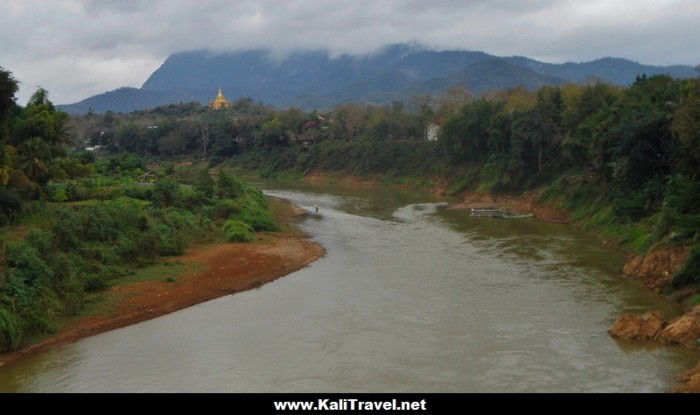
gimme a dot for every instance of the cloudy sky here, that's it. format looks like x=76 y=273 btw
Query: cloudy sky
x=78 y=48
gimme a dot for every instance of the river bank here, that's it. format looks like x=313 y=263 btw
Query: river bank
x=211 y=271
x=654 y=269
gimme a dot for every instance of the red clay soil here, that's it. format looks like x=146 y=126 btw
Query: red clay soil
x=638 y=327
x=656 y=268
x=651 y=326
x=690 y=381
x=227 y=268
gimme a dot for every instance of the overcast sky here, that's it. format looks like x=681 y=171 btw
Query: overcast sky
x=78 y=48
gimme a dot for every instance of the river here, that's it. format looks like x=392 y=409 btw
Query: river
x=409 y=298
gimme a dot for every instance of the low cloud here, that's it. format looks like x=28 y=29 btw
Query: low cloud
x=78 y=48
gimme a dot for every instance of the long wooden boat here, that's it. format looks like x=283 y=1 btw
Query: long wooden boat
x=497 y=213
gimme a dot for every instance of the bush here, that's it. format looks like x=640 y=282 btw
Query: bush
x=683 y=199
x=63 y=168
x=10 y=335
x=237 y=231
x=66 y=266
x=631 y=207
x=126 y=163
x=166 y=192
x=192 y=199
x=203 y=181
x=138 y=191
x=94 y=283
x=225 y=208
x=147 y=247
x=59 y=192
x=82 y=192
x=10 y=205
x=101 y=253
x=24 y=260
x=66 y=229
x=171 y=241
x=42 y=241
x=251 y=208
x=141 y=248
x=260 y=220
x=256 y=213
x=84 y=156
x=229 y=186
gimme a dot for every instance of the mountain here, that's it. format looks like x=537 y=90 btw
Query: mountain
x=492 y=74
x=130 y=99
x=614 y=70
x=315 y=79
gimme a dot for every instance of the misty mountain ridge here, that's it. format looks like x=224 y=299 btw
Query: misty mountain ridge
x=315 y=79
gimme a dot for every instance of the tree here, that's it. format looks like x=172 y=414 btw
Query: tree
x=174 y=143
x=686 y=126
x=469 y=134
x=272 y=134
x=453 y=99
x=641 y=132
x=591 y=99
x=41 y=119
x=8 y=89
x=348 y=121
x=518 y=98
x=523 y=149
x=35 y=155
x=548 y=115
x=129 y=137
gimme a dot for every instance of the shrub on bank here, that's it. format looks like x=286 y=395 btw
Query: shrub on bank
x=10 y=205
x=230 y=187
x=237 y=231
x=226 y=208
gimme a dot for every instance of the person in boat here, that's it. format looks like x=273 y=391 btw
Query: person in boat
x=316 y=209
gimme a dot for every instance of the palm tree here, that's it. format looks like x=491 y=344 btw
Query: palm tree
x=34 y=155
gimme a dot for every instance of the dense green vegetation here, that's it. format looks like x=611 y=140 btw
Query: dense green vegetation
x=624 y=161
x=71 y=223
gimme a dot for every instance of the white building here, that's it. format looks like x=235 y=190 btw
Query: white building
x=431 y=132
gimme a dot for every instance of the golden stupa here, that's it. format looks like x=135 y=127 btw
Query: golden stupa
x=219 y=102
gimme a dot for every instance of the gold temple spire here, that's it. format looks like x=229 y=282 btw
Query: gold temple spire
x=220 y=101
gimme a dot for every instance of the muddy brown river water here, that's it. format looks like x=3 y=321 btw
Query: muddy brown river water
x=410 y=298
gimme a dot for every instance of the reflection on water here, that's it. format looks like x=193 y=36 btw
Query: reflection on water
x=409 y=298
